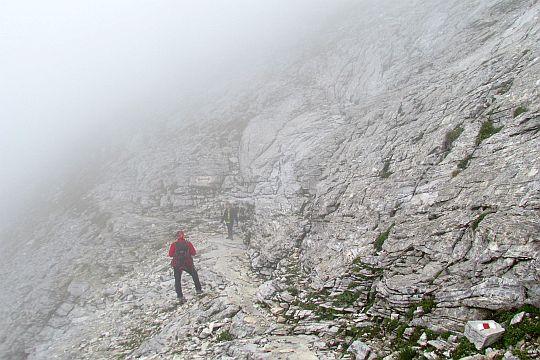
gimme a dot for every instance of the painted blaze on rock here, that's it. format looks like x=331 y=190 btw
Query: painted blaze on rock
x=483 y=333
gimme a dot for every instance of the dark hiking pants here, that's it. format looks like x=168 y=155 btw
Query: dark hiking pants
x=178 y=280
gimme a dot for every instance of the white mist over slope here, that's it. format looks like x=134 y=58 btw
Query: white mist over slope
x=75 y=71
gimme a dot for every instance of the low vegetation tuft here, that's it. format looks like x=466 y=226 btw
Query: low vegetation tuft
x=464 y=348
x=520 y=110
x=382 y=238
x=528 y=329
x=407 y=353
x=486 y=131
x=346 y=298
x=427 y=304
x=225 y=335
x=385 y=172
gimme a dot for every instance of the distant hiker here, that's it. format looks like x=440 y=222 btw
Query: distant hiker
x=182 y=252
x=230 y=216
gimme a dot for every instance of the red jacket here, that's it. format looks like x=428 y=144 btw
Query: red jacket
x=191 y=250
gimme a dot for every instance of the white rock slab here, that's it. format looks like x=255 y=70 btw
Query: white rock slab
x=483 y=333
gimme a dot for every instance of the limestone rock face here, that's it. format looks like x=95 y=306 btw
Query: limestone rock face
x=436 y=185
x=394 y=156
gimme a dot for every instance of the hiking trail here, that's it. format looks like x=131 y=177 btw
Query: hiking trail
x=138 y=316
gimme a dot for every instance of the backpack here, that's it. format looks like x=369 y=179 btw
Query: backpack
x=182 y=257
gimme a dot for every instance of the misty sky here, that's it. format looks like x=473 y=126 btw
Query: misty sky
x=73 y=69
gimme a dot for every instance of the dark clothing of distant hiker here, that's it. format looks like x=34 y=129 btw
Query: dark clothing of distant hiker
x=229 y=217
x=184 y=263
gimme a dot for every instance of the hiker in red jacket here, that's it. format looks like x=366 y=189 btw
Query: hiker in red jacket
x=182 y=252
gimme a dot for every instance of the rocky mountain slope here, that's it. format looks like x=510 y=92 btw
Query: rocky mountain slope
x=392 y=165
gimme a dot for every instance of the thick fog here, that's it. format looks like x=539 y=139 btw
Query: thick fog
x=73 y=71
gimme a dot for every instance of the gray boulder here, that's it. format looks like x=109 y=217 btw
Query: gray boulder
x=483 y=333
x=360 y=350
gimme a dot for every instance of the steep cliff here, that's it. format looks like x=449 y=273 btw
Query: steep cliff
x=395 y=160
x=414 y=153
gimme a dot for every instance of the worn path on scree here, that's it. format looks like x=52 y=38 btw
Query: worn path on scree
x=225 y=265
x=138 y=316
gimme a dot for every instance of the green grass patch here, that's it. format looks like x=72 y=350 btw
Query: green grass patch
x=307 y=306
x=464 y=348
x=401 y=330
x=372 y=296
x=418 y=333
x=325 y=313
x=445 y=335
x=293 y=291
x=346 y=298
x=321 y=294
x=431 y=335
x=408 y=353
x=427 y=304
x=528 y=329
x=520 y=354
x=225 y=335
x=486 y=131
x=385 y=172
x=390 y=325
x=354 y=332
x=373 y=331
x=410 y=312
x=520 y=110
x=382 y=238
x=393 y=331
